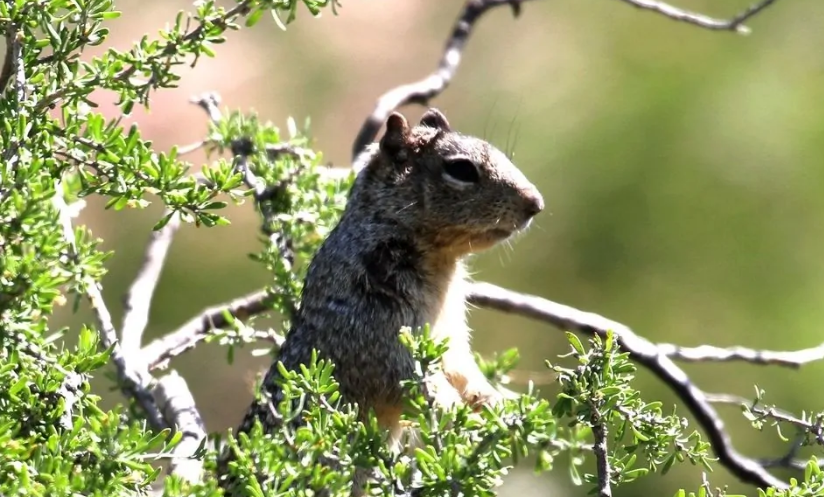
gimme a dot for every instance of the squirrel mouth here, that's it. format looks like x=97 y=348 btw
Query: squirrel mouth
x=500 y=233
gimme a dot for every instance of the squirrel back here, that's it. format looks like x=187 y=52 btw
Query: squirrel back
x=425 y=198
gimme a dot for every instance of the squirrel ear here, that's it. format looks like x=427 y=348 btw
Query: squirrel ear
x=433 y=118
x=397 y=130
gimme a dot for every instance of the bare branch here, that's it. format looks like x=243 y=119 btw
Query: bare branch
x=209 y=102
x=422 y=91
x=188 y=149
x=158 y=353
x=708 y=353
x=735 y=23
x=138 y=300
x=135 y=382
x=178 y=406
x=642 y=351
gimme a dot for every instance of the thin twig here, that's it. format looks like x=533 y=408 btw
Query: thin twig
x=599 y=432
x=422 y=91
x=209 y=101
x=705 y=484
x=135 y=382
x=138 y=300
x=735 y=23
x=171 y=48
x=188 y=149
x=158 y=352
x=70 y=388
x=642 y=351
x=804 y=426
x=242 y=149
x=178 y=406
x=708 y=353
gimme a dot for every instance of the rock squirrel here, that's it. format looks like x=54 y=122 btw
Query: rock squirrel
x=424 y=199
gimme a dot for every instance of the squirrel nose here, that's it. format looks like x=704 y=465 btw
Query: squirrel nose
x=534 y=203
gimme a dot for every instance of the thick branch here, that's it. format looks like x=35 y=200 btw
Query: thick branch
x=735 y=23
x=642 y=351
x=179 y=410
x=422 y=91
x=138 y=300
x=136 y=382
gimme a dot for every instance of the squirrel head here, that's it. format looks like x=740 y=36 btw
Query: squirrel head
x=457 y=193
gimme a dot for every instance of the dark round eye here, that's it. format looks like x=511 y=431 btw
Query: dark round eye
x=462 y=170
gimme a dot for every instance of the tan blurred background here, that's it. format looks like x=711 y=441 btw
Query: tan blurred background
x=682 y=171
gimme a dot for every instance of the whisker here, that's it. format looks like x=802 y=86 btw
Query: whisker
x=508 y=150
x=405 y=207
x=489 y=117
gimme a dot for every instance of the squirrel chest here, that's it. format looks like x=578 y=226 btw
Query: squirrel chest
x=359 y=292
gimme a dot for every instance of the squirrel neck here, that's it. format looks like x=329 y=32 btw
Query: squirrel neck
x=405 y=267
x=398 y=254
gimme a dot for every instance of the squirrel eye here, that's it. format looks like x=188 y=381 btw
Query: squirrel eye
x=462 y=170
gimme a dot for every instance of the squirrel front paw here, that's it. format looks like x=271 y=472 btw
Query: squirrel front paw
x=483 y=395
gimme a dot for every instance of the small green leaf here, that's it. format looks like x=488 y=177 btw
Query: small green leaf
x=576 y=343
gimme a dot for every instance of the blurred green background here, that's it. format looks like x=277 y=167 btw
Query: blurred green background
x=682 y=169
